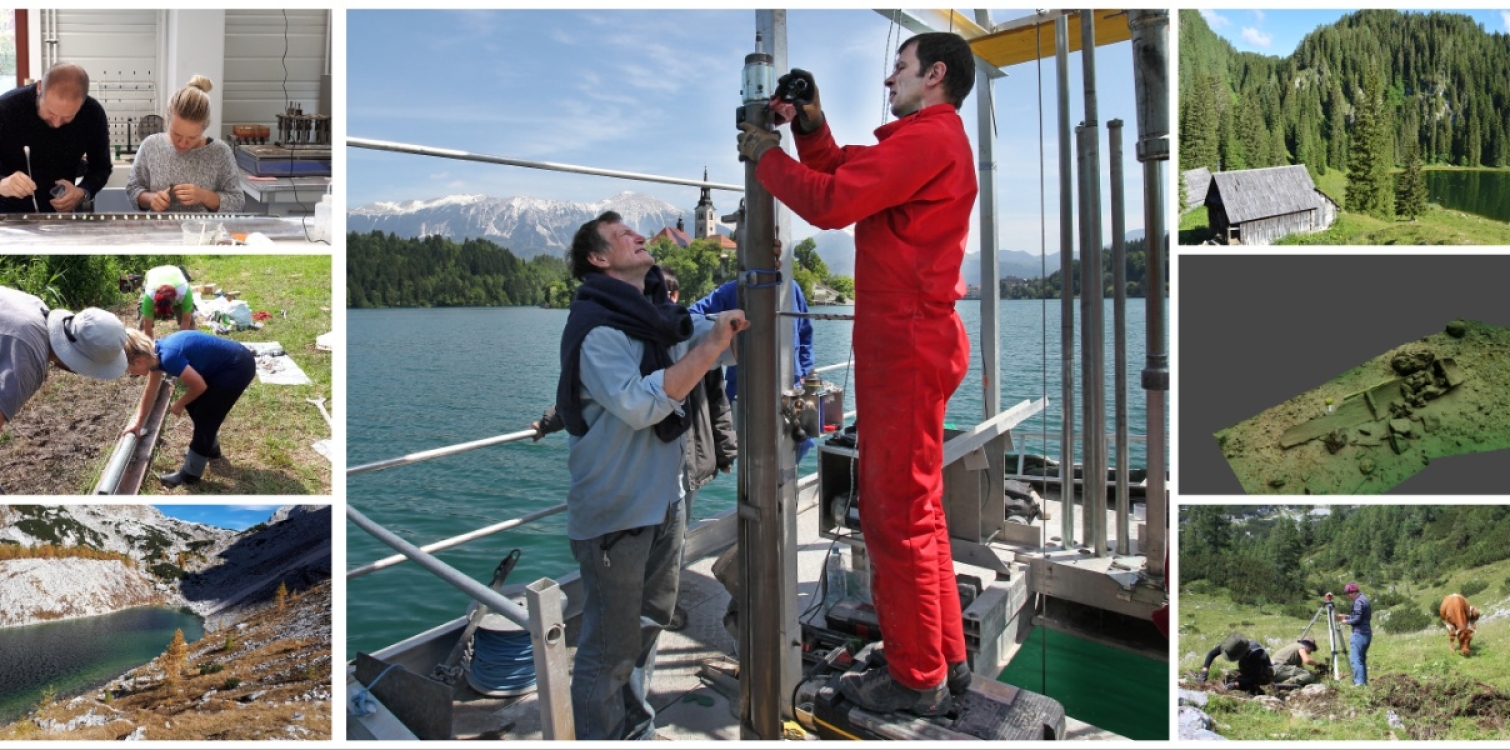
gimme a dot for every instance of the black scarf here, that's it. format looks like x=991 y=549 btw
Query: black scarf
x=650 y=317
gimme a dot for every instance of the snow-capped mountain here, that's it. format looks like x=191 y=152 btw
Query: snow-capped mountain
x=526 y=226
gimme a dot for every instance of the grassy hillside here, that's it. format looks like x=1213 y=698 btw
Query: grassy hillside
x=1433 y=692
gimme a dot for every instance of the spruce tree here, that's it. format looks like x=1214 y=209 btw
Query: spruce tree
x=1198 y=127
x=1410 y=187
x=1368 y=181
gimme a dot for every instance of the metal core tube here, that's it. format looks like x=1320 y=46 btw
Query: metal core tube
x=1150 y=39
x=1066 y=296
x=111 y=476
x=1119 y=334
x=760 y=523
x=1092 y=307
x=990 y=284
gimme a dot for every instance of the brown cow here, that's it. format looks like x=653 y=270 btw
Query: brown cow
x=1461 y=620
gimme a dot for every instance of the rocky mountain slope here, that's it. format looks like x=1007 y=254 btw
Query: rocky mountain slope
x=35 y=590
x=220 y=574
x=526 y=226
x=139 y=531
x=292 y=550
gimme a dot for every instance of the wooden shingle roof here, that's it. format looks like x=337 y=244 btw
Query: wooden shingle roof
x=1197 y=182
x=1252 y=194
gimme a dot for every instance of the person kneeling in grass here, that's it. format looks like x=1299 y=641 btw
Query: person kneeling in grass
x=214 y=371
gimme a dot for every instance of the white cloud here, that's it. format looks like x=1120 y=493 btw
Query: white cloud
x=439 y=175
x=1214 y=19
x=1505 y=15
x=1257 y=38
x=1258 y=14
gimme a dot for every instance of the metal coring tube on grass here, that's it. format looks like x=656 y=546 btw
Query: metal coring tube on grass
x=111 y=477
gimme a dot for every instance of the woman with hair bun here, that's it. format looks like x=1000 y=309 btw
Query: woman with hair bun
x=182 y=169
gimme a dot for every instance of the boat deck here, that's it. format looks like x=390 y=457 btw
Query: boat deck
x=693 y=702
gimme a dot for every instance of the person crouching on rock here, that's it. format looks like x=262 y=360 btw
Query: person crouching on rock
x=214 y=371
x=1254 y=670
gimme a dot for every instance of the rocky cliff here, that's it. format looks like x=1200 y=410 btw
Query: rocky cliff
x=33 y=590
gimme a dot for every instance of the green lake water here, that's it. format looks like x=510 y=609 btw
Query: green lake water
x=73 y=656
x=1478 y=191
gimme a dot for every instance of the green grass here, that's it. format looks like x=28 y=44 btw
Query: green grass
x=1195 y=227
x=1206 y=617
x=268 y=434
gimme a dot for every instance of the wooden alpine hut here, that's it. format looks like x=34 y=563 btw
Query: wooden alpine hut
x=1262 y=206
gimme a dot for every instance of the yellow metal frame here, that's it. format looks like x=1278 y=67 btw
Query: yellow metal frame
x=1004 y=49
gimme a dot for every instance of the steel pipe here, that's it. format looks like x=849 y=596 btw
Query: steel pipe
x=766 y=582
x=1119 y=335
x=457 y=579
x=110 y=478
x=990 y=285
x=1150 y=39
x=1067 y=293
x=1092 y=308
x=456 y=541
x=447 y=153
x=414 y=458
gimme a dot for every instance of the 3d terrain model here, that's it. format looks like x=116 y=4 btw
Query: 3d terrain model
x=1378 y=424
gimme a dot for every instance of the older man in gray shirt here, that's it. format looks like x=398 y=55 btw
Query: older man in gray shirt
x=629 y=357
x=91 y=343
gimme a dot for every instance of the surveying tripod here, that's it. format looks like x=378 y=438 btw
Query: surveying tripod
x=1329 y=609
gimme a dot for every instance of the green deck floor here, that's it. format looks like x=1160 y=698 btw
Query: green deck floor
x=1099 y=685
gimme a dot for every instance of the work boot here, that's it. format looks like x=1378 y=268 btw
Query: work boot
x=876 y=690
x=189 y=473
x=678 y=620
x=959 y=678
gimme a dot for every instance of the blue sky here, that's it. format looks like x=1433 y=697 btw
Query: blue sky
x=655 y=91
x=233 y=517
x=1278 y=32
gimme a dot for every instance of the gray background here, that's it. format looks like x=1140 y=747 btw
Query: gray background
x=1255 y=331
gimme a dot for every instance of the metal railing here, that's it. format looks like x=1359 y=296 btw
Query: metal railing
x=544 y=619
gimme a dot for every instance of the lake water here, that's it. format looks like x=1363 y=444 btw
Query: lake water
x=1482 y=192
x=73 y=656
x=420 y=379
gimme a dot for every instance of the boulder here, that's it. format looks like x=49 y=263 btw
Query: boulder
x=1193 y=698
x=1195 y=724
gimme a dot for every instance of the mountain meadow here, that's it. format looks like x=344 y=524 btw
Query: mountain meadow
x=1263 y=571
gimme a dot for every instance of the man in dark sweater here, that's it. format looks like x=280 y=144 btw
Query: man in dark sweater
x=1254 y=669
x=61 y=125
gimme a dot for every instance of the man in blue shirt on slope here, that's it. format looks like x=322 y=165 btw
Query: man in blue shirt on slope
x=1363 y=611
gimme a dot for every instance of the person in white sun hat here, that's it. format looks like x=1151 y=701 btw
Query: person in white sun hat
x=90 y=343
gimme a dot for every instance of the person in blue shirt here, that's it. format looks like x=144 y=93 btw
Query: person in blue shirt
x=1363 y=612
x=726 y=297
x=214 y=372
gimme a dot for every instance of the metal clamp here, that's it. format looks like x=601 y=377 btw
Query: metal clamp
x=750 y=279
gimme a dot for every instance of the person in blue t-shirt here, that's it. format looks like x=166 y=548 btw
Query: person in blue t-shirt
x=726 y=297
x=214 y=371
x=1363 y=632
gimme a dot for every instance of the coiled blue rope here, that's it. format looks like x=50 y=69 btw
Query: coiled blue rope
x=503 y=663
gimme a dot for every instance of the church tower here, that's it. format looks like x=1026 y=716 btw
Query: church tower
x=705 y=220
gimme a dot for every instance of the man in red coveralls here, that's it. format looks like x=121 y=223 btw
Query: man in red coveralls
x=909 y=197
